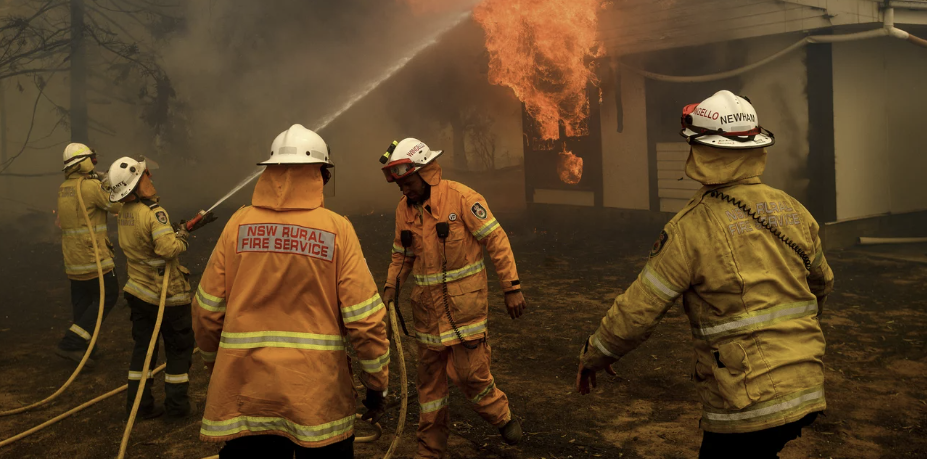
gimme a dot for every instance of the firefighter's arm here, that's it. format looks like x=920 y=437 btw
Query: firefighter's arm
x=486 y=229
x=166 y=244
x=399 y=253
x=362 y=311
x=96 y=196
x=209 y=304
x=821 y=277
x=636 y=312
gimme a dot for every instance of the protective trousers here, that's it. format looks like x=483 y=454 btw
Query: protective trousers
x=177 y=333
x=469 y=369
x=85 y=304
x=276 y=446
x=762 y=444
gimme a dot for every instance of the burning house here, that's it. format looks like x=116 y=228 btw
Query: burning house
x=842 y=110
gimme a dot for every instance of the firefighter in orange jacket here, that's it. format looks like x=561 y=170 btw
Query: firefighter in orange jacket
x=748 y=263
x=441 y=229
x=284 y=291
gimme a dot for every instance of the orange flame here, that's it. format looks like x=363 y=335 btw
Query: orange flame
x=540 y=49
x=569 y=167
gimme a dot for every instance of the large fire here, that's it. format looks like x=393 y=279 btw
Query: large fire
x=569 y=167
x=542 y=49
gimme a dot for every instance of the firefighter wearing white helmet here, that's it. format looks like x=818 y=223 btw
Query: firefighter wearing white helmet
x=442 y=227
x=284 y=295
x=152 y=248
x=748 y=263
x=725 y=121
x=79 y=258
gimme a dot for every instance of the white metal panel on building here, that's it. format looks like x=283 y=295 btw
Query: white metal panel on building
x=674 y=188
x=634 y=26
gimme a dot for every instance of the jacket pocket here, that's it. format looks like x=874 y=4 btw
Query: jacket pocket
x=730 y=370
x=179 y=282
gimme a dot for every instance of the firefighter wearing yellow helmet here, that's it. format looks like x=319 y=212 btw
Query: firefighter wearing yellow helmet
x=747 y=261
x=79 y=258
x=152 y=249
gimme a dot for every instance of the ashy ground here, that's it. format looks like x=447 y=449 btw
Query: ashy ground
x=875 y=325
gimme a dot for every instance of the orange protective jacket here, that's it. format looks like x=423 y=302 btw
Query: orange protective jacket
x=472 y=226
x=284 y=291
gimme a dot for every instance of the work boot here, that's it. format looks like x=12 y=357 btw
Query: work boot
x=75 y=355
x=144 y=415
x=97 y=353
x=192 y=410
x=511 y=432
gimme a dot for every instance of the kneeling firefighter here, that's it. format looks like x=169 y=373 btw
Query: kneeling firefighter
x=748 y=263
x=285 y=290
x=152 y=248
x=79 y=258
x=441 y=229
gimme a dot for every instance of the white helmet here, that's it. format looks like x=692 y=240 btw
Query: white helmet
x=724 y=121
x=298 y=145
x=123 y=176
x=75 y=153
x=407 y=157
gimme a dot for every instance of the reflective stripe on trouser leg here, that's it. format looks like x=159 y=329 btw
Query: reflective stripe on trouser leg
x=433 y=400
x=469 y=369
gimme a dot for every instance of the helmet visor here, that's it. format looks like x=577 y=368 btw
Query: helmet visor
x=398 y=171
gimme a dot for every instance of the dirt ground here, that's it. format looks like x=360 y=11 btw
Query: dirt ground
x=876 y=363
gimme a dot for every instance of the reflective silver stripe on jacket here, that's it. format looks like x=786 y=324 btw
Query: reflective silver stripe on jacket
x=362 y=310
x=451 y=276
x=403 y=251
x=658 y=285
x=486 y=229
x=300 y=432
x=83 y=230
x=209 y=302
x=779 y=407
x=83 y=269
x=448 y=336
x=376 y=365
x=294 y=340
x=757 y=320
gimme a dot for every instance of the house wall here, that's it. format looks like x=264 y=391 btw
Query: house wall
x=651 y=110
x=624 y=152
x=878 y=98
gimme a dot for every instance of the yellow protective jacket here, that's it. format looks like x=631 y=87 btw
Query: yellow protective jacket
x=150 y=245
x=79 y=259
x=472 y=226
x=285 y=290
x=752 y=305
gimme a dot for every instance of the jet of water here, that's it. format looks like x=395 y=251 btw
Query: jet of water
x=357 y=96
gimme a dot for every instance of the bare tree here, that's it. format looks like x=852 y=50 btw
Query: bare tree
x=478 y=127
x=43 y=39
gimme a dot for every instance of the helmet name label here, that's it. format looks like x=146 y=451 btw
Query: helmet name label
x=705 y=113
x=737 y=117
x=279 y=238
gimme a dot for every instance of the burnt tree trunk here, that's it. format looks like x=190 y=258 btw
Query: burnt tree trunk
x=78 y=110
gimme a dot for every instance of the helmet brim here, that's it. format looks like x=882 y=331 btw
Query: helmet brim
x=759 y=141
x=73 y=161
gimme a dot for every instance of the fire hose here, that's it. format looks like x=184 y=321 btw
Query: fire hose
x=145 y=366
x=96 y=328
x=404 y=391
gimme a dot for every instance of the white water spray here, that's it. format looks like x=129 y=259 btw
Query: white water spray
x=356 y=97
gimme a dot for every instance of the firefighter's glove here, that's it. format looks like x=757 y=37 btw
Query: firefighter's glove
x=376 y=406
x=209 y=217
x=182 y=232
x=591 y=361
